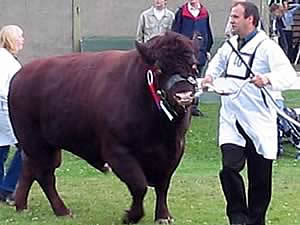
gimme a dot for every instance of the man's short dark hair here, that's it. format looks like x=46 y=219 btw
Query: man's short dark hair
x=250 y=10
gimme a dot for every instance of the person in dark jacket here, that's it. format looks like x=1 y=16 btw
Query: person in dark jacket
x=277 y=26
x=190 y=19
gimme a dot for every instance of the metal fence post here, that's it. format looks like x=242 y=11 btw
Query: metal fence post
x=76 y=35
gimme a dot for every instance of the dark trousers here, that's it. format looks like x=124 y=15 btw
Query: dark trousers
x=9 y=180
x=290 y=50
x=197 y=100
x=238 y=209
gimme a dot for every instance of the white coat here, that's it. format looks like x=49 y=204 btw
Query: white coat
x=8 y=67
x=253 y=111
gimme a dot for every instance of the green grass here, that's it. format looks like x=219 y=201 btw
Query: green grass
x=195 y=197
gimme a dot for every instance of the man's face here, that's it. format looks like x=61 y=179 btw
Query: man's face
x=194 y=3
x=159 y=4
x=277 y=12
x=285 y=5
x=240 y=25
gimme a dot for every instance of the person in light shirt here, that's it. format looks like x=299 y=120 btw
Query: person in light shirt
x=154 y=21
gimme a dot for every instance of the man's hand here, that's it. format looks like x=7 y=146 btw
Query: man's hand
x=208 y=56
x=208 y=79
x=260 y=81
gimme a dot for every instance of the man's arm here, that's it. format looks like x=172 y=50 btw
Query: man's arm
x=140 y=29
x=176 y=26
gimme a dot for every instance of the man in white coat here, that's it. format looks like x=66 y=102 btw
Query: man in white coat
x=247 y=125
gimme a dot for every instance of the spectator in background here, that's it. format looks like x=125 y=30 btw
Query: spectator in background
x=288 y=21
x=154 y=21
x=11 y=42
x=277 y=26
x=190 y=19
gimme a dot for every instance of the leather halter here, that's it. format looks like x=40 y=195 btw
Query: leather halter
x=159 y=94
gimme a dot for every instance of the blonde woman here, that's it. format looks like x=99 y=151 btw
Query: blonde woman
x=11 y=42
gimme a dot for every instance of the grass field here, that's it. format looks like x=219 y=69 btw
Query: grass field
x=195 y=197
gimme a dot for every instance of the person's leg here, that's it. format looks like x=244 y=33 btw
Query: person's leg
x=280 y=128
x=233 y=161
x=3 y=157
x=4 y=150
x=12 y=175
x=259 y=183
x=289 y=38
x=260 y=187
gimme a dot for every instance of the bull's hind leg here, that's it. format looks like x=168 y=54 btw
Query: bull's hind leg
x=129 y=171
x=45 y=176
x=42 y=170
x=24 y=184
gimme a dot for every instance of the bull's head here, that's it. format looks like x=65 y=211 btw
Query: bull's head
x=174 y=60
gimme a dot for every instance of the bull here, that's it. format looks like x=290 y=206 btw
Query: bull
x=129 y=109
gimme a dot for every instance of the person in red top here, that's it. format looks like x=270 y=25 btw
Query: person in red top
x=190 y=19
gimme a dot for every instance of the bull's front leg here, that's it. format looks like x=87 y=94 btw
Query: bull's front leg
x=129 y=171
x=162 y=214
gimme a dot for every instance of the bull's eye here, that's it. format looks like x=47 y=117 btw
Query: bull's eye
x=191 y=80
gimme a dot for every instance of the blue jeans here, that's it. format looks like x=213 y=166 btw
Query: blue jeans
x=9 y=180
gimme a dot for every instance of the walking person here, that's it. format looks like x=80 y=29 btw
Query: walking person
x=248 y=122
x=154 y=21
x=190 y=19
x=11 y=42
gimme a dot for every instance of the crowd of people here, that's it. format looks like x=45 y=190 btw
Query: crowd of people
x=281 y=24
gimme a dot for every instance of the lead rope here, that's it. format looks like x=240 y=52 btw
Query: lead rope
x=274 y=104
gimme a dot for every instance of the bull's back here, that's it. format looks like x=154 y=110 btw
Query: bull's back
x=57 y=95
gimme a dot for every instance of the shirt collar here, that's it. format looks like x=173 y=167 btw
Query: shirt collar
x=190 y=7
x=250 y=36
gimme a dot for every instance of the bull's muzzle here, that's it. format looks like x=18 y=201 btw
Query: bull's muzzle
x=184 y=98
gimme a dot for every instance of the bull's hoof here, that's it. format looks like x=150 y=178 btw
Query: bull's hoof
x=20 y=209
x=129 y=218
x=106 y=169
x=168 y=220
x=66 y=212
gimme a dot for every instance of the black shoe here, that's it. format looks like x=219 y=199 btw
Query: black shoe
x=196 y=112
x=280 y=151
x=298 y=156
x=106 y=168
x=10 y=199
x=2 y=197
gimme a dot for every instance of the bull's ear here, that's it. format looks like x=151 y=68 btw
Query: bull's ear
x=146 y=52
